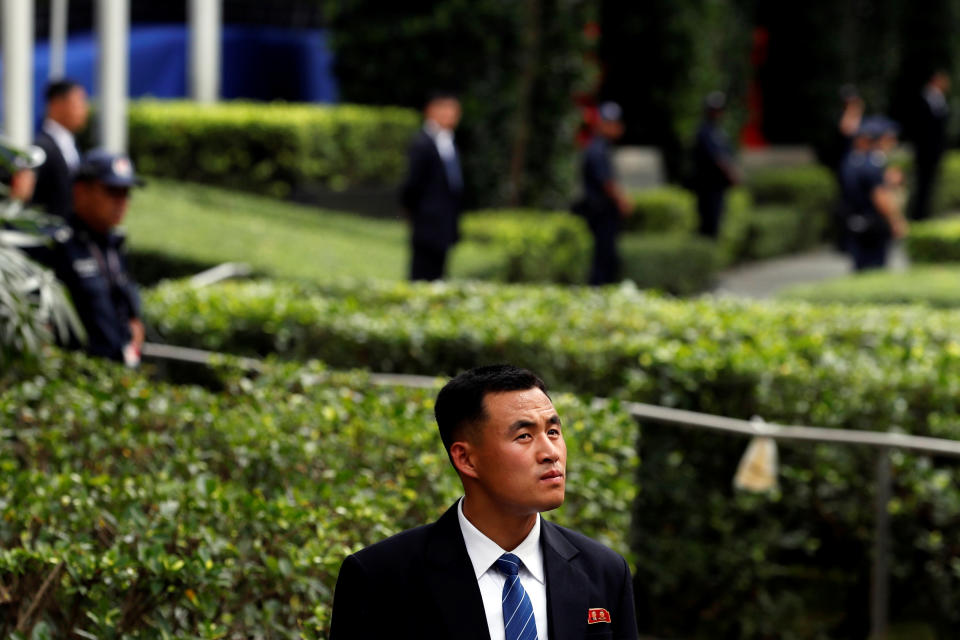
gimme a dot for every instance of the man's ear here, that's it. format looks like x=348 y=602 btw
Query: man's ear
x=461 y=453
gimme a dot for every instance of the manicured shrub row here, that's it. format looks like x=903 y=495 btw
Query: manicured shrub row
x=935 y=286
x=947 y=196
x=663 y=209
x=677 y=264
x=528 y=246
x=537 y=246
x=811 y=188
x=710 y=562
x=935 y=240
x=273 y=148
x=176 y=512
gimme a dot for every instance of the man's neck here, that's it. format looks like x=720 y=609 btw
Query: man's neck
x=55 y=125
x=507 y=530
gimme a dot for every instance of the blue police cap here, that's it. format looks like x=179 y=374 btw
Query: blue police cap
x=112 y=169
x=875 y=127
x=610 y=111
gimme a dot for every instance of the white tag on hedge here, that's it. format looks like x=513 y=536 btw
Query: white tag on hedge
x=758 y=466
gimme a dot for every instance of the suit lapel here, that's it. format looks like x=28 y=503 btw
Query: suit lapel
x=453 y=582
x=566 y=586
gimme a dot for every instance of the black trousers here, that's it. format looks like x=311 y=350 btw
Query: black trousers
x=427 y=262
x=925 y=180
x=605 y=267
x=710 y=210
x=869 y=251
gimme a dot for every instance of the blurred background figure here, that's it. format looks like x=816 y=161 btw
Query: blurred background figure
x=929 y=142
x=87 y=255
x=604 y=202
x=849 y=124
x=65 y=115
x=433 y=189
x=872 y=211
x=713 y=165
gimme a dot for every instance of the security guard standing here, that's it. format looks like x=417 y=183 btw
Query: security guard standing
x=87 y=256
x=872 y=214
x=604 y=203
x=714 y=168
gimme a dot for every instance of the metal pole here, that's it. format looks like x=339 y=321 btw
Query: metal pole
x=880 y=578
x=17 y=25
x=204 y=71
x=113 y=23
x=58 y=39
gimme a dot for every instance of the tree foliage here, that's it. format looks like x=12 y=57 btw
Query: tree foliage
x=515 y=66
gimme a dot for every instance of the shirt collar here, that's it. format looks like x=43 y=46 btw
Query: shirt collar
x=57 y=131
x=484 y=552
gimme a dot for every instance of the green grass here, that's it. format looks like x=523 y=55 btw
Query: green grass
x=210 y=225
x=934 y=286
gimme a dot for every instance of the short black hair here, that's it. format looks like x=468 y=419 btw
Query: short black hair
x=440 y=94
x=59 y=88
x=460 y=403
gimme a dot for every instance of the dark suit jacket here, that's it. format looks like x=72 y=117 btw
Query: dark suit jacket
x=930 y=135
x=421 y=584
x=433 y=204
x=54 y=190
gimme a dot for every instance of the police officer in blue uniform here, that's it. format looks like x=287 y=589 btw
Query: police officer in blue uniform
x=872 y=214
x=604 y=203
x=714 y=168
x=87 y=256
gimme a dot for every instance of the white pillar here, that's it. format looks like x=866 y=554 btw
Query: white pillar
x=113 y=25
x=58 y=39
x=204 y=64
x=17 y=24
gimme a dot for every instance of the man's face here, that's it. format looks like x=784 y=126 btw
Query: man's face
x=71 y=109
x=445 y=112
x=611 y=129
x=519 y=455
x=100 y=206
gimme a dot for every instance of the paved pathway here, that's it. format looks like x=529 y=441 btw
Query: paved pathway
x=767 y=278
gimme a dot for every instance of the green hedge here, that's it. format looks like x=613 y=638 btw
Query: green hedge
x=947 y=194
x=932 y=286
x=663 y=209
x=525 y=246
x=177 y=512
x=678 y=264
x=812 y=188
x=935 y=240
x=271 y=148
x=711 y=562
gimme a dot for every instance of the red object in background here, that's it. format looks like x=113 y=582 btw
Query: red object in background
x=752 y=134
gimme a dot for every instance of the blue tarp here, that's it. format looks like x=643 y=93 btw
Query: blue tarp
x=261 y=63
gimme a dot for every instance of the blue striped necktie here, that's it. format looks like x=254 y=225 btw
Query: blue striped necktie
x=518 y=620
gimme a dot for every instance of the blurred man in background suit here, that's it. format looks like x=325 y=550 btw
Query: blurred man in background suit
x=432 y=192
x=66 y=114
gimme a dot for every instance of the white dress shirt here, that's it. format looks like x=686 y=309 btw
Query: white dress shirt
x=443 y=138
x=483 y=554
x=65 y=142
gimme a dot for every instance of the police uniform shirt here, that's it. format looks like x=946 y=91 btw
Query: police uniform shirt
x=710 y=150
x=483 y=554
x=93 y=269
x=860 y=175
x=597 y=171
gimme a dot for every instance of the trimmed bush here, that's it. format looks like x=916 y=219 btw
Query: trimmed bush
x=947 y=194
x=173 y=512
x=935 y=240
x=663 y=209
x=271 y=148
x=811 y=188
x=932 y=286
x=710 y=562
x=525 y=246
x=678 y=264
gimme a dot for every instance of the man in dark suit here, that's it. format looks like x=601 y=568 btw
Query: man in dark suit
x=66 y=114
x=929 y=142
x=431 y=193
x=491 y=568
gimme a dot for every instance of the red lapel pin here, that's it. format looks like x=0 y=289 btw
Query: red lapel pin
x=597 y=614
